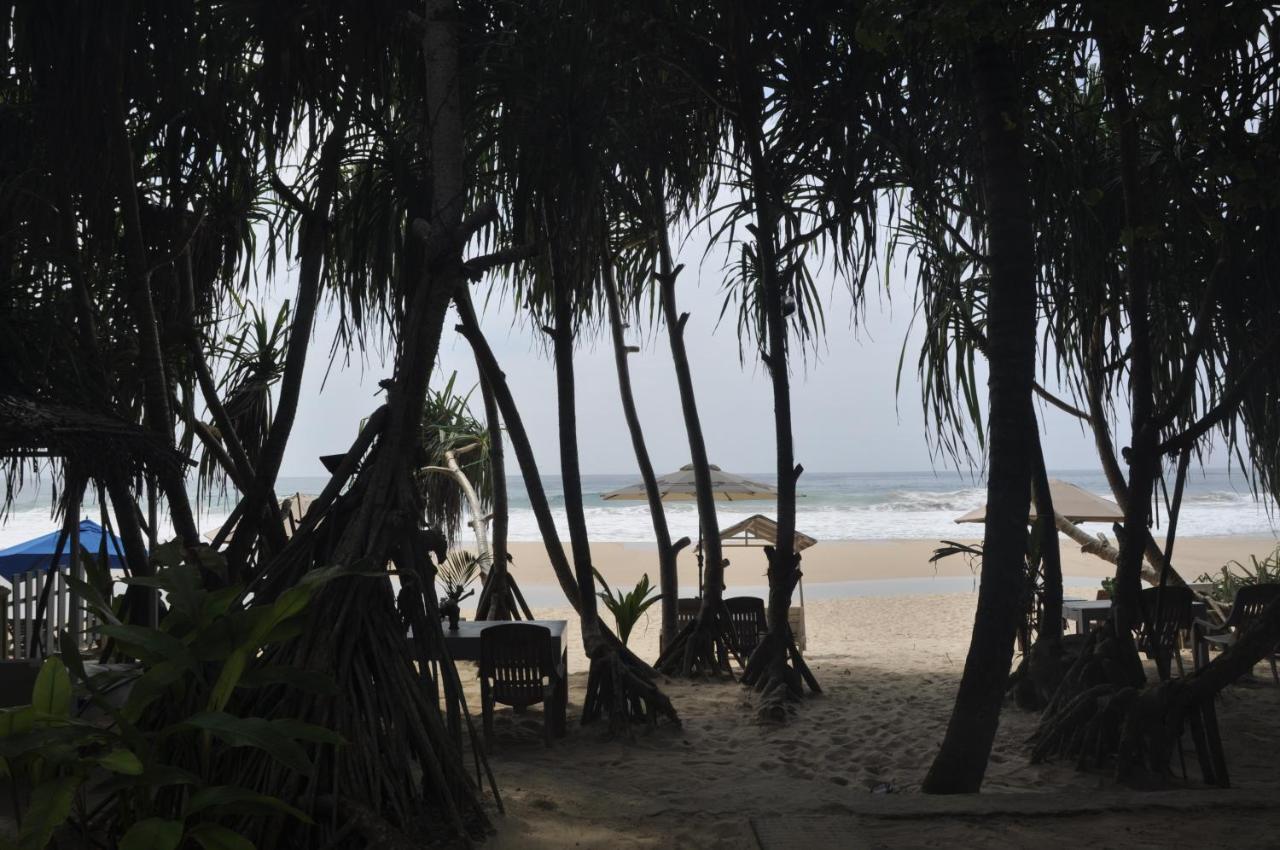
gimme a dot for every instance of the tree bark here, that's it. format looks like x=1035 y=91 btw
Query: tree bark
x=702 y=647
x=708 y=523
x=1126 y=610
x=962 y=761
x=767 y=670
x=562 y=335
x=155 y=382
x=668 y=577
x=258 y=512
x=469 y=327
x=618 y=683
x=499 y=598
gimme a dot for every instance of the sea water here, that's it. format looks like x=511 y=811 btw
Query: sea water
x=832 y=506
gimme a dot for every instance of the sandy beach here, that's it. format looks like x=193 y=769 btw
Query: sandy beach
x=889 y=667
x=865 y=560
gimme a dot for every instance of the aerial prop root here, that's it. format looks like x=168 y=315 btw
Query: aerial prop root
x=622 y=687
x=702 y=647
x=778 y=672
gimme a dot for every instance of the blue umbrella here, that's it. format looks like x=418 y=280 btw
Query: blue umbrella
x=38 y=553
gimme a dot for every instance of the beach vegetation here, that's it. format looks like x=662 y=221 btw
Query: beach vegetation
x=627 y=606
x=1234 y=575
x=152 y=754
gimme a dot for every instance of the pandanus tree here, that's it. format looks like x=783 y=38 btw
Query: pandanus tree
x=1193 y=294
x=554 y=86
x=799 y=177
x=352 y=116
x=1010 y=345
x=117 y=243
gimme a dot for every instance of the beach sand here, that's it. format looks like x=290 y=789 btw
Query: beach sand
x=861 y=560
x=889 y=667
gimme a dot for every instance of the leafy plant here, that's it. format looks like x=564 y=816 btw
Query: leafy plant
x=160 y=765
x=459 y=571
x=1109 y=586
x=627 y=607
x=1234 y=575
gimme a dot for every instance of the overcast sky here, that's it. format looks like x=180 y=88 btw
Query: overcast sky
x=848 y=417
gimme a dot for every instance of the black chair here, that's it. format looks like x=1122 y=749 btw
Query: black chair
x=1174 y=619
x=687 y=611
x=1248 y=606
x=520 y=666
x=746 y=614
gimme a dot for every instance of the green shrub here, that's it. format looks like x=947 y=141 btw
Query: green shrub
x=1234 y=575
x=627 y=607
x=159 y=768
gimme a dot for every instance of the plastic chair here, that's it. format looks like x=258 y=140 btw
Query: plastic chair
x=687 y=611
x=1175 y=618
x=520 y=666
x=1248 y=605
x=746 y=613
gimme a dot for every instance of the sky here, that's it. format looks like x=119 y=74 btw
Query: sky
x=848 y=414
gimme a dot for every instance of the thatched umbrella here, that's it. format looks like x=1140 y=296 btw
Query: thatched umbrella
x=679 y=486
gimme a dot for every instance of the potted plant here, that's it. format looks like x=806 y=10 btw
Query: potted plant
x=456 y=575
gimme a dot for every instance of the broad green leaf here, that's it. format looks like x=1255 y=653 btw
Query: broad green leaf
x=50 y=805
x=228 y=678
x=238 y=800
x=310 y=681
x=168 y=554
x=152 y=834
x=151 y=686
x=94 y=599
x=16 y=721
x=210 y=836
x=253 y=732
x=300 y=731
x=154 y=776
x=151 y=645
x=121 y=761
x=52 y=693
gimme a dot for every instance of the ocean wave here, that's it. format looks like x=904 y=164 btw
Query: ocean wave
x=838 y=508
x=923 y=500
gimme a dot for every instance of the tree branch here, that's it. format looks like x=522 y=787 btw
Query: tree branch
x=1060 y=403
x=1225 y=408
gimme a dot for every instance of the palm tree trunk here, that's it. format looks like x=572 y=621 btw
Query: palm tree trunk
x=262 y=509
x=1143 y=454
x=702 y=647
x=708 y=523
x=768 y=670
x=668 y=578
x=498 y=596
x=469 y=327
x=619 y=683
x=962 y=761
x=1043 y=664
x=571 y=478
x=155 y=381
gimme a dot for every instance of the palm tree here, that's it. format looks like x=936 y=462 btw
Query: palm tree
x=667 y=551
x=961 y=763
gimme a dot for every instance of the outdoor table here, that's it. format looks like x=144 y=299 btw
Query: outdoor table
x=464 y=645
x=1087 y=614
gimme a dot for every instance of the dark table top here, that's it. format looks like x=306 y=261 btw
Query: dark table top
x=464 y=644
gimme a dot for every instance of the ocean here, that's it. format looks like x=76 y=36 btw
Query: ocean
x=832 y=506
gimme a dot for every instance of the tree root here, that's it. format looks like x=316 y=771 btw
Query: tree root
x=703 y=647
x=621 y=686
x=778 y=672
x=1041 y=672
